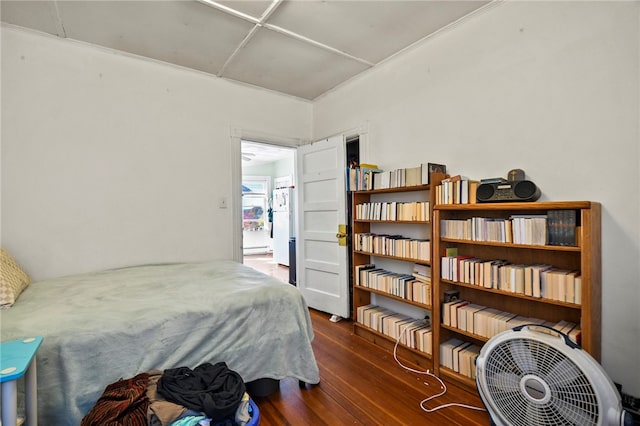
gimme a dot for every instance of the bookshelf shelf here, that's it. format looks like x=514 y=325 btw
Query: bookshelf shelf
x=526 y=207
x=412 y=229
x=514 y=246
x=464 y=333
x=447 y=373
x=392 y=296
x=510 y=294
x=367 y=332
x=406 y=259
x=396 y=190
x=419 y=222
x=564 y=306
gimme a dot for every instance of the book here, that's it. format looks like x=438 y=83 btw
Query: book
x=453 y=314
x=529 y=229
x=427 y=168
x=456 y=355
x=446 y=311
x=493 y=180
x=450 y=251
x=359 y=271
x=381 y=180
x=369 y=166
x=473 y=189
x=413 y=176
x=561 y=227
x=577 y=295
x=446 y=351
x=468 y=360
x=423 y=271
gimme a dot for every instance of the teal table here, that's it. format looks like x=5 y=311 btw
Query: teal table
x=17 y=359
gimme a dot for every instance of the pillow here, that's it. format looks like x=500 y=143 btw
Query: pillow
x=13 y=280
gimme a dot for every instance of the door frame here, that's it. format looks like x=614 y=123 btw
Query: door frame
x=236 y=137
x=237 y=134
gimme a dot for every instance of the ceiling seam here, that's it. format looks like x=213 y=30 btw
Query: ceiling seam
x=316 y=43
x=272 y=7
x=261 y=23
x=230 y=11
x=242 y=44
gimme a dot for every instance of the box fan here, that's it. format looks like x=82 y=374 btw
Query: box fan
x=535 y=375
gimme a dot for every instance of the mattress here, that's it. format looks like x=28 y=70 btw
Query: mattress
x=103 y=326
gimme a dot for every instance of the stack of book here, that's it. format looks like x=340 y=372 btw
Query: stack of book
x=417 y=211
x=562 y=227
x=538 y=280
x=397 y=284
x=457 y=190
x=406 y=177
x=361 y=177
x=488 y=322
x=411 y=332
x=529 y=229
x=392 y=245
x=460 y=356
x=518 y=229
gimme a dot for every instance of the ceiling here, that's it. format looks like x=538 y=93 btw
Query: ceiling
x=302 y=48
x=256 y=153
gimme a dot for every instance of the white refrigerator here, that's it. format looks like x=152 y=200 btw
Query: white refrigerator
x=283 y=224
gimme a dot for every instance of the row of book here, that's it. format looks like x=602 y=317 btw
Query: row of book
x=411 y=176
x=393 y=245
x=416 y=287
x=366 y=177
x=457 y=190
x=557 y=227
x=518 y=229
x=391 y=210
x=411 y=332
x=539 y=280
x=460 y=356
x=487 y=322
x=361 y=177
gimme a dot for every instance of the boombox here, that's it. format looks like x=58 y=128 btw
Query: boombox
x=521 y=190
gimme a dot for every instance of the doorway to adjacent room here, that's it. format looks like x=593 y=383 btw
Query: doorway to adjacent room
x=268 y=224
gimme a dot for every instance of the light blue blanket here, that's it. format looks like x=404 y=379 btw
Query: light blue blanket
x=108 y=325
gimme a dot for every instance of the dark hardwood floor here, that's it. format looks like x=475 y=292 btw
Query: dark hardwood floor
x=361 y=384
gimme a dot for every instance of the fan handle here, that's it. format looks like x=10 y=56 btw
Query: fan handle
x=548 y=329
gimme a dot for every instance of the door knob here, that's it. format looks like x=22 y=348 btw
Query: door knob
x=342 y=235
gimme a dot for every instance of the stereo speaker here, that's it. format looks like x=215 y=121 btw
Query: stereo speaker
x=522 y=190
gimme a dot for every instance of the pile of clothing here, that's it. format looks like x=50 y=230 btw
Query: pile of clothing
x=208 y=395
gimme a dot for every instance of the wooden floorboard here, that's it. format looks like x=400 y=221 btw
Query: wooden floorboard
x=361 y=384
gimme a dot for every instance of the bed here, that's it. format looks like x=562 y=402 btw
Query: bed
x=103 y=326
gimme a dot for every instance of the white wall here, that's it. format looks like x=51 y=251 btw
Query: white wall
x=265 y=169
x=111 y=160
x=286 y=167
x=549 y=87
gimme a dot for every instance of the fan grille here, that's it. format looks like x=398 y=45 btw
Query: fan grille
x=532 y=383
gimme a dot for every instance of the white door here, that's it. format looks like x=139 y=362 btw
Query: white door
x=322 y=263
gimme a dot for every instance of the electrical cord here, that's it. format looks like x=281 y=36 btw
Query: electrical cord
x=428 y=373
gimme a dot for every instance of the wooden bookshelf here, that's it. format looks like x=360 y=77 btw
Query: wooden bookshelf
x=363 y=295
x=585 y=257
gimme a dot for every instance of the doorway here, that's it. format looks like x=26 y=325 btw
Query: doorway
x=268 y=222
